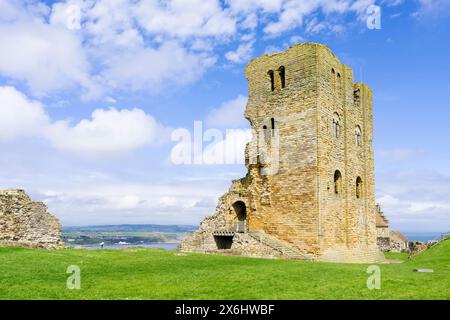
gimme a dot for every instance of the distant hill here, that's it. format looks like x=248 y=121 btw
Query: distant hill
x=132 y=228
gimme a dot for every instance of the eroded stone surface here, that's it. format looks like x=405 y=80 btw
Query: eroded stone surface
x=309 y=190
x=27 y=223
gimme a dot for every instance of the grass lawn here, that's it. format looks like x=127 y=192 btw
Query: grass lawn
x=158 y=274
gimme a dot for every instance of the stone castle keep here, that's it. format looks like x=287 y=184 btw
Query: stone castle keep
x=309 y=190
x=27 y=223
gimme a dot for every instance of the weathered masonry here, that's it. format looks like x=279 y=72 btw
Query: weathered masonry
x=309 y=190
x=27 y=223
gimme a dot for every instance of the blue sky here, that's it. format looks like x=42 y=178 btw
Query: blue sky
x=90 y=92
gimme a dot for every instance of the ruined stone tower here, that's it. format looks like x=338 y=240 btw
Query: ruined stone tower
x=309 y=191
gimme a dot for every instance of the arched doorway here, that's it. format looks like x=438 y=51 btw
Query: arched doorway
x=240 y=210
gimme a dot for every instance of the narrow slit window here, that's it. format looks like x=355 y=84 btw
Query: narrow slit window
x=333 y=79
x=336 y=125
x=337 y=182
x=282 y=73
x=358 y=187
x=358 y=136
x=266 y=136
x=272 y=122
x=272 y=80
x=338 y=81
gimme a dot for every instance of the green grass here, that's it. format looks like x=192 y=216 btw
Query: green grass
x=396 y=256
x=158 y=274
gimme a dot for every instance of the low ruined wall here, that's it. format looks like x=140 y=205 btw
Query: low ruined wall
x=27 y=223
x=384 y=243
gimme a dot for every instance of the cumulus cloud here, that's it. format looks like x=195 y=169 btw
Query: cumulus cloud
x=20 y=116
x=100 y=45
x=155 y=68
x=415 y=200
x=230 y=149
x=242 y=54
x=230 y=114
x=433 y=8
x=251 y=5
x=108 y=132
x=45 y=58
x=184 y=19
x=400 y=154
x=103 y=49
x=132 y=202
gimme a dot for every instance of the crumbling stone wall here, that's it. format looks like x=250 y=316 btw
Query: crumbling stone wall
x=384 y=243
x=27 y=223
x=289 y=191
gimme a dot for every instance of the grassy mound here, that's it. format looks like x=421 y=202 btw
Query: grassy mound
x=159 y=274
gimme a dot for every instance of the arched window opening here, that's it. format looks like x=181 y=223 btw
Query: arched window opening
x=358 y=136
x=241 y=214
x=240 y=210
x=282 y=73
x=358 y=187
x=336 y=125
x=337 y=182
x=272 y=79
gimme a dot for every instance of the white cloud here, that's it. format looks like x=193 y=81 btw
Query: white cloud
x=433 y=8
x=107 y=52
x=392 y=3
x=155 y=68
x=185 y=18
x=230 y=150
x=132 y=202
x=242 y=54
x=108 y=132
x=291 y=16
x=146 y=44
x=388 y=200
x=19 y=116
x=228 y=115
x=401 y=154
x=250 y=21
x=415 y=200
x=252 y=5
x=272 y=49
x=45 y=58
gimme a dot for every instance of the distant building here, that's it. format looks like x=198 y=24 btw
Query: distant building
x=392 y=241
x=399 y=243
x=382 y=224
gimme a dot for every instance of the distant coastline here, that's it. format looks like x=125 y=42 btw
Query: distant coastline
x=155 y=235
x=126 y=235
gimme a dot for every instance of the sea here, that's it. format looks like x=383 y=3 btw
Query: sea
x=423 y=236
x=412 y=236
x=165 y=246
